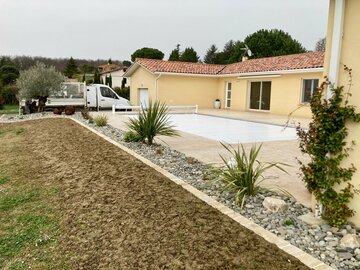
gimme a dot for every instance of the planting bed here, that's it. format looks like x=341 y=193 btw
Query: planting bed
x=114 y=212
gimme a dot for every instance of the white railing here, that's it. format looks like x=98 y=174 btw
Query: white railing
x=132 y=108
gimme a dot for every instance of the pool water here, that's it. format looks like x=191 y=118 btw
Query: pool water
x=230 y=130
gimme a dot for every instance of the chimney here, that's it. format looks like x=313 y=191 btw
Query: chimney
x=244 y=58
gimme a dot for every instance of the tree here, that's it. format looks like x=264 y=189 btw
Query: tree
x=189 y=55
x=110 y=81
x=110 y=61
x=71 y=68
x=126 y=63
x=123 y=83
x=96 y=76
x=84 y=78
x=211 y=54
x=320 y=45
x=175 y=54
x=149 y=53
x=237 y=52
x=39 y=82
x=266 y=43
x=8 y=74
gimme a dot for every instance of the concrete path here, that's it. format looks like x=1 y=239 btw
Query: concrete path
x=208 y=151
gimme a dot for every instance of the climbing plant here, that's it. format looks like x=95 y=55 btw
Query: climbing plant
x=325 y=142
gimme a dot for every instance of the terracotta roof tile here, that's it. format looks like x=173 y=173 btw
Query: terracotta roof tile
x=287 y=62
x=179 y=67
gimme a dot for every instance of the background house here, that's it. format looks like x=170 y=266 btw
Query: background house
x=277 y=85
x=116 y=72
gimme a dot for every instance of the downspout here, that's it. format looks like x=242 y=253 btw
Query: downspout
x=156 y=86
x=336 y=42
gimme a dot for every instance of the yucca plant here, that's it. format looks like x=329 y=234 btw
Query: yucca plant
x=242 y=174
x=152 y=121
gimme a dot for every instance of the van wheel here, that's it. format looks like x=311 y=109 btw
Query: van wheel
x=69 y=110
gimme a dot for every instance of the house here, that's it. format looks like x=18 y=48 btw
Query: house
x=277 y=85
x=343 y=48
x=116 y=72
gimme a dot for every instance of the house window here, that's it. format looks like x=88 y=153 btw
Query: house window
x=309 y=87
x=228 y=95
x=260 y=96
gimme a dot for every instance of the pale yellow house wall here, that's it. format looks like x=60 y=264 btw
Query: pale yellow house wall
x=187 y=90
x=238 y=93
x=350 y=56
x=286 y=92
x=142 y=79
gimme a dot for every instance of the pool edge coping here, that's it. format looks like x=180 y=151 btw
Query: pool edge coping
x=290 y=249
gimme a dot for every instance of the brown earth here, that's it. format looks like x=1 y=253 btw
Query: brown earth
x=117 y=213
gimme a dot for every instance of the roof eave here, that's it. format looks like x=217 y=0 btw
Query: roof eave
x=274 y=72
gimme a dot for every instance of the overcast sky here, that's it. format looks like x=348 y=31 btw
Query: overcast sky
x=116 y=28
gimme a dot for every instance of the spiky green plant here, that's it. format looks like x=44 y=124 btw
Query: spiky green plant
x=152 y=121
x=243 y=173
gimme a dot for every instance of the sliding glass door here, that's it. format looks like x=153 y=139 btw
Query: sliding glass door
x=260 y=95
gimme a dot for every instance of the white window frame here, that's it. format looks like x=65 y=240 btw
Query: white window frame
x=303 y=88
x=249 y=95
x=226 y=94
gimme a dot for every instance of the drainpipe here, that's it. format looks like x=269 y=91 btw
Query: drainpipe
x=336 y=42
x=156 y=86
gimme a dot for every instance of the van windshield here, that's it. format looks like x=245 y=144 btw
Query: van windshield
x=107 y=92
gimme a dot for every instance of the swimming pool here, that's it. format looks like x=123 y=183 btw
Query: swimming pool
x=230 y=130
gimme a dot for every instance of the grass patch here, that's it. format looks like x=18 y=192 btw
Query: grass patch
x=4 y=179
x=11 y=131
x=11 y=201
x=10 y=109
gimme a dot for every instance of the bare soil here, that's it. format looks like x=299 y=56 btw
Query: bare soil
x=117 y=213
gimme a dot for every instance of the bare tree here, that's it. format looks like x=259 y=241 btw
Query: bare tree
x=320 y=45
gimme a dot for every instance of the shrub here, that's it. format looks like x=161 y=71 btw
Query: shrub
x=242 y=174
x=123 y=92
x=69 y=110
x=131 y=136
x=101 y=120
x=152 y=121
x=9 y=94
x=57 y=111
x=85 y=114
x=2 y=102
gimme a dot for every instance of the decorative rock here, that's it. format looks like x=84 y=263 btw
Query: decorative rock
x=310 y=219
x=350 y=241
x=345 y=255
x=275 y=205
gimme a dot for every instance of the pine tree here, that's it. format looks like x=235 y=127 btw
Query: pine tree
x=110 y=61
x=211 y=54
x=110 y=81
x=96 y=76
x=84 y=78
x=71 y=68
x=189 y=55
x=175 y=54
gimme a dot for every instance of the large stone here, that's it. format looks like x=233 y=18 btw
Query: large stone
x=310 y=219
x=350 y=241
x=275 y=205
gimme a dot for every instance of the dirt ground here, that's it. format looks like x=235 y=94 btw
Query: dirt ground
x=117 y=213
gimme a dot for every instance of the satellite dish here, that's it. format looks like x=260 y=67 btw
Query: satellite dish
x=247 y=51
